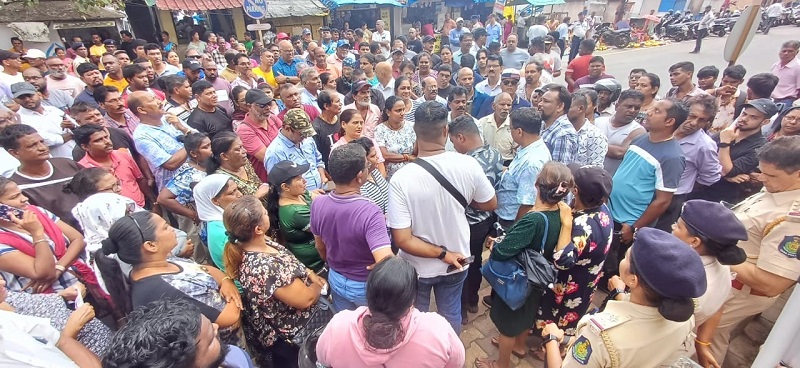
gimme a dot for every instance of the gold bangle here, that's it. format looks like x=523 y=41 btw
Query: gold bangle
x=40 y=241
x=226 y=278
x=702 y=342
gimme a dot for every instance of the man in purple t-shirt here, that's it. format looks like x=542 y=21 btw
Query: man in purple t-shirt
x=349 y=230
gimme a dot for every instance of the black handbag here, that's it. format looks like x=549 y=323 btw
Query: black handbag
x=323 y=313
x=541 y=272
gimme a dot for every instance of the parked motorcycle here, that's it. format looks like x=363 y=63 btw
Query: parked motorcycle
x=620 y=38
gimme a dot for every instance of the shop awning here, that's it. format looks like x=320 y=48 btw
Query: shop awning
x=535 y=2
x=198 y=5
x=333 y=4
x=295 y=8
x=54 y=11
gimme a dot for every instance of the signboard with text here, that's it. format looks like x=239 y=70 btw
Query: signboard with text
x=256 y=9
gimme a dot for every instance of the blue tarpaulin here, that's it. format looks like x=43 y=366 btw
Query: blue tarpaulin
x=333 y=4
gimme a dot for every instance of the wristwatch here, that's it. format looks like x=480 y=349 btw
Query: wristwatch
x=441 y=255
x=723 y=145
x=548 y=338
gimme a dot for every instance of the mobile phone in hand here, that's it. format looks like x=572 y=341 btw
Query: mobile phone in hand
x=463 y=262
x=5 y=210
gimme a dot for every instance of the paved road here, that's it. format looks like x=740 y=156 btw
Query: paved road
x=757 y=58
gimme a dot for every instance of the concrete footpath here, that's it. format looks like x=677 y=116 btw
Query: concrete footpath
x=477 y=335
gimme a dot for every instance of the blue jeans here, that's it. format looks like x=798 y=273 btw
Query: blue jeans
x=447 y=291
x=347 y=294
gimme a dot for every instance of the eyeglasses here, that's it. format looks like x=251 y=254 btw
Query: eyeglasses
x=194 y=57
x=790 y=119
x=510 y=82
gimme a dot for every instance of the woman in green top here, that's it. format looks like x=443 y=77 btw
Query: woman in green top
x=211 y=196
x=552 y=185
x=229 y=157
x=289 y=207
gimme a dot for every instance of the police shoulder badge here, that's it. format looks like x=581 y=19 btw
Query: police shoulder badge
x=582 y=350
x=789 y=246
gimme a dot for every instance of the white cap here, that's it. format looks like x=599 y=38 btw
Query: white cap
x=459 y=19
x=35 y=54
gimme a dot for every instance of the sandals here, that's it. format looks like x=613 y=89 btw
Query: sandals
x=496 y=342
x=484 y=363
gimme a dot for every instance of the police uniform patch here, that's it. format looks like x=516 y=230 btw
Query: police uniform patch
x=789 y=246
x=582 y=350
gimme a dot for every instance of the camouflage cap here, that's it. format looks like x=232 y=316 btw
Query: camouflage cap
x=298 y=120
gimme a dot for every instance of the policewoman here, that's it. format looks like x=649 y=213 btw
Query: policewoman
x=651 y=329
x=713 y=231
x=772 y=220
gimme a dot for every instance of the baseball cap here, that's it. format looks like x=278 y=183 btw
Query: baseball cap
x=282 y=36
x=284 y=171
x=764 y=105
x=343 y=43
x=548 y=39
x=22 y=88
x=5 y=55
x=192 y=64
x=306 y=31
x=349 y=62
x=397 y=51
x=594 y=183
x=359 y=85
x=510 y=73
x=428 y=38
x=459 y=19
x=35 y=54
x=298 y=120
x=109 y=42
x=257 y=96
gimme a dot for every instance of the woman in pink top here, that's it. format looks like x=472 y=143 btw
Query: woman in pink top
x=352 y=128
x=390 y=332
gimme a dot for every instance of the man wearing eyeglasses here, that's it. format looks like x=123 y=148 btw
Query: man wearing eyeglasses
x=258 y=129
x=55 y=98
x=509 y=81
x=491 y=85
x=286 y=68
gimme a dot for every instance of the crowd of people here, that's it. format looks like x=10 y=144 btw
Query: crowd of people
x=166 y=213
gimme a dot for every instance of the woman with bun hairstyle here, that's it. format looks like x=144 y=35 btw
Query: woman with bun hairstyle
x=548 y=223
x=145 y=241
x=653 y=327
x=279 y=292
x=713 y=231
x=389 y=331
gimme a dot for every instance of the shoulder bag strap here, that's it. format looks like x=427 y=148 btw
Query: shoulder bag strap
x=443 y=181
x=546 y=230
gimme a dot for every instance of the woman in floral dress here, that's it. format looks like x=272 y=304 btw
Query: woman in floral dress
x=395 y=136
x=279 y=293
x=591 y=236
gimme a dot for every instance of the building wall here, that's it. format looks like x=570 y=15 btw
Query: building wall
x=6 y=34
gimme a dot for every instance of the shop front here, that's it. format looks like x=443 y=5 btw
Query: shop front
x=362 y=13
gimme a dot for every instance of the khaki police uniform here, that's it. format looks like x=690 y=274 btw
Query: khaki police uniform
x=629 y=335
x=772 y=221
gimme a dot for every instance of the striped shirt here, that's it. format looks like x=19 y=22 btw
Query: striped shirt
x=46 y=192
x=378 y=191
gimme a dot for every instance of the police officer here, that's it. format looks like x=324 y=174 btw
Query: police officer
x=772 y=219
x=654 y=327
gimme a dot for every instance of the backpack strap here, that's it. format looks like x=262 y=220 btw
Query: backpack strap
x=442 y=181
x=546 y=229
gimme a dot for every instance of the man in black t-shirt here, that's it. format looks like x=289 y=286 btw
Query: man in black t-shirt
x=327 y=124
x=208 y=117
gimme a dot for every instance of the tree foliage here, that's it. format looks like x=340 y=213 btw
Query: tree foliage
x=83 y=5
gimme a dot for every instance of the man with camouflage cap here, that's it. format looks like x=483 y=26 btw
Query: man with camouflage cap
x=294 y=143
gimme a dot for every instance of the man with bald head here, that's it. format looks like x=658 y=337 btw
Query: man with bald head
x=158 y=137
x=385 y=79
x=496 y=127
x=287 y=67
x=430 y=91
x=320 y=59
x=55 y=98
x=466 y=78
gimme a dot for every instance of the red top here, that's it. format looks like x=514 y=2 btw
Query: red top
x=579 y=67
x=254 y=138
x=124 y=168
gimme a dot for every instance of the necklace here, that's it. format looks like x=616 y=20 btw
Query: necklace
x=663 y=140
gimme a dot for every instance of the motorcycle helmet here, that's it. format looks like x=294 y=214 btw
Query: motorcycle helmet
x=610 y=85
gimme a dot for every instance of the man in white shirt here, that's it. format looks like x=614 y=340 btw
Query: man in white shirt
x=774 y=12
x=309 y=77
x=702 y=28
x=428 y=223
x=11 y=63
x=579 y=29
x=51 y=123
x=491 y=85
x=382 y=36
x=385 y=80
x=537 y=30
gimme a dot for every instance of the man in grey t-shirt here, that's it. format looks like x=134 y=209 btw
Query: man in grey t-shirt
x=513 y=57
